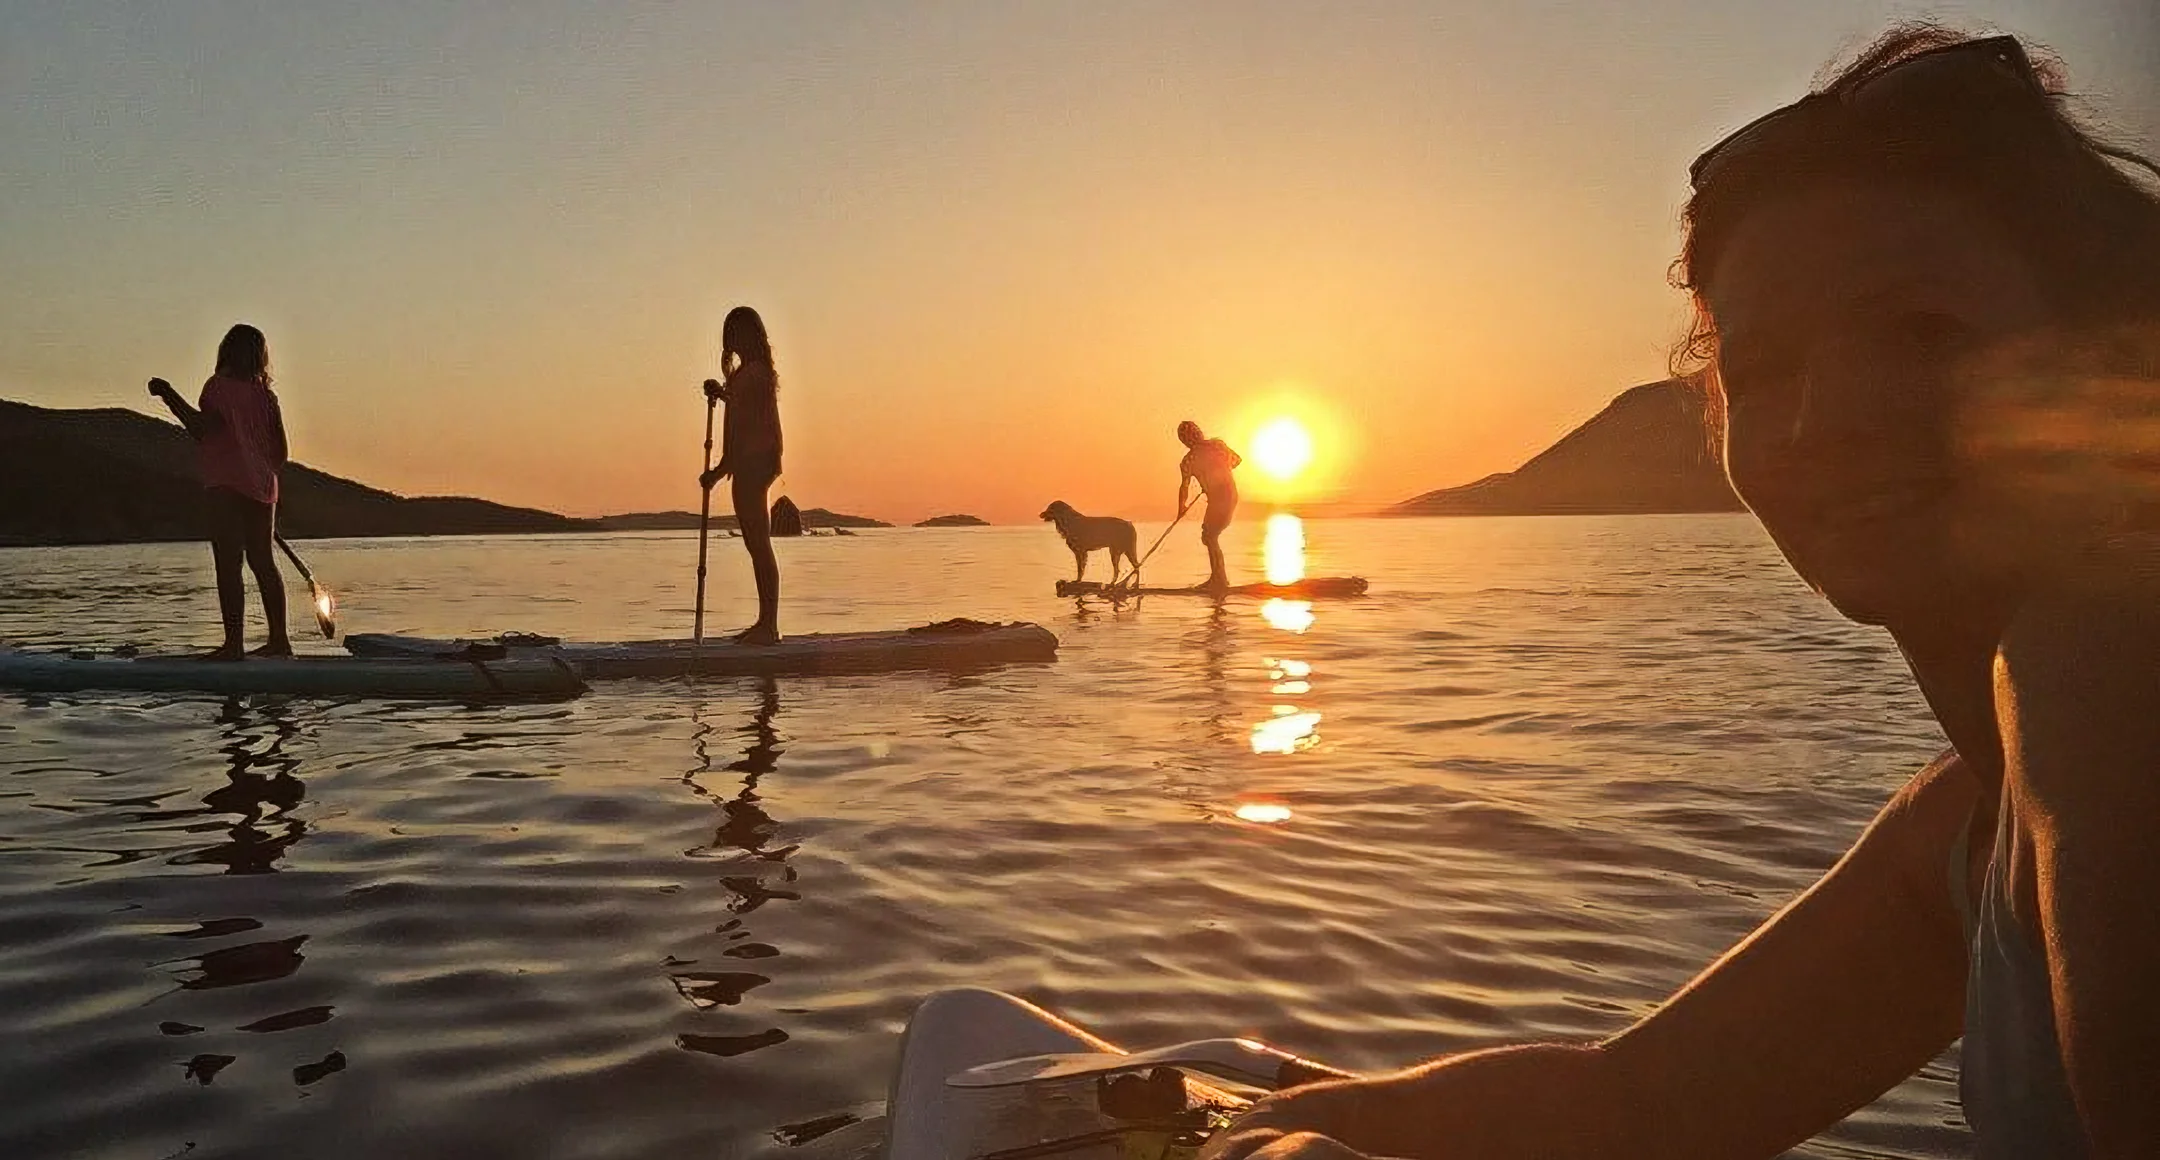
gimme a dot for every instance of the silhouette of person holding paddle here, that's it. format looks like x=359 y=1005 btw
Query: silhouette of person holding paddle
x=1210 y=461
x=750 y=454
x=239 y=435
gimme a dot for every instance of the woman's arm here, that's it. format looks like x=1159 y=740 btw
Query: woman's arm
x=200 y=424
x=2078 y=693
x=1845 y=992
x=277 y=431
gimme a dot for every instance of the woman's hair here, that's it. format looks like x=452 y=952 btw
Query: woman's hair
x=743 y=336
x=2084 y=213
x=244 y=354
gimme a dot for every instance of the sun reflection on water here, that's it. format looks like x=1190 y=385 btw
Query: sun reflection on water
x=1282 y=552
x=1287 y=615
x=1264 y=813
x=1288 y=731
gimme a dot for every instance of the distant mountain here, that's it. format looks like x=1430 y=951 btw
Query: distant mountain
x=660 y=521
x=678 y=521
x=113 y=475
x=954 y=521
x=1647 y=451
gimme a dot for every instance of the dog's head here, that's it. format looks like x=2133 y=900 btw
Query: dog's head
x=1058 y=510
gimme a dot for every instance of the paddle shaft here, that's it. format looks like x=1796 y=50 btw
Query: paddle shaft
x=297 y=562
x=1159 y=539
x=704 y=528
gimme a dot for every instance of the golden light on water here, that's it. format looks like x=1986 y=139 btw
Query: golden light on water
x=1287 y=615
x=1282 y=448
x=1282 y=550
x=1264 y=813
x=1288 y=731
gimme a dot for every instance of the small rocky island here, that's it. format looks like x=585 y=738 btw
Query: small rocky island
x=954 y=521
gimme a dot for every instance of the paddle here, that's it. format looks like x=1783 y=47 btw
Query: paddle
x=325 y=604
x=704 y=521
x=1242 y=1060
x=1134 y=578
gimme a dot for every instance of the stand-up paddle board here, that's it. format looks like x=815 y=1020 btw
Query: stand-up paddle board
x=331 y=676
x=953 y=644
x=1319 y=587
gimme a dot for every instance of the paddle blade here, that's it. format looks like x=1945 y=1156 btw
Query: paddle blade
x=325 y=609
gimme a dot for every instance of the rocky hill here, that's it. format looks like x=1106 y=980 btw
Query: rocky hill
x=110 y=475
x=1647 y=451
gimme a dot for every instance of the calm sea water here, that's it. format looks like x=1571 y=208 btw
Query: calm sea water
x=1546 y=771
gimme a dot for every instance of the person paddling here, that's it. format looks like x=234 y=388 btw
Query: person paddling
x=239 y=437
x=750 y=454
x=1210 y=461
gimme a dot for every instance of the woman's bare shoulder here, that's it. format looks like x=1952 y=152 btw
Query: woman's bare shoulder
x=2077 y=675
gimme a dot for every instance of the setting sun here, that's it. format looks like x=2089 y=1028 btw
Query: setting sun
x=1282 y=448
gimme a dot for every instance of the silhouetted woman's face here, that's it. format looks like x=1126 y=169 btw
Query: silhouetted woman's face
x=1861 y=338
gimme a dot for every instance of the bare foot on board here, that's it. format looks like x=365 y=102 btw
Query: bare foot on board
x=758 y=635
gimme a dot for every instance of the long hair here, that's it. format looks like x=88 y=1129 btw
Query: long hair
x=742 y=338
x=244 y=354
x=2083 y=212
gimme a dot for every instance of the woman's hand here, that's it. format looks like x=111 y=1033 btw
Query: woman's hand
x=715 y=474
x=715 y=391
x=1280 y=1146
x=159 y=388
x=1308 y=1123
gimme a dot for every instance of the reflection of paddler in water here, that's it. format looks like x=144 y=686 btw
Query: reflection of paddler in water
x=744 y=824
x=1210 y=461
x=261 y=792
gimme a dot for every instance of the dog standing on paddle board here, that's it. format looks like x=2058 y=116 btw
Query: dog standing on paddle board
x=1084 y=534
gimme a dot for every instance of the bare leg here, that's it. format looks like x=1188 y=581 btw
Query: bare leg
x=756 y=520
x=1218 y=576
x=262 y=560
x=227 y=548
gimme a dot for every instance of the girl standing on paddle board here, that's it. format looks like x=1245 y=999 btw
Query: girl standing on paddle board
x=240 y=439
x=750 y=454
x=1930 y=305
x=1210 y=461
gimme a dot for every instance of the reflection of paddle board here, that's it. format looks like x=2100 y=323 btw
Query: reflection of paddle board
x=308 y=676
x=1317 y=587
x=953 y=644
x=952 y=1031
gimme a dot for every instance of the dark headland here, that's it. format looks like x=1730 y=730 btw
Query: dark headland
x=111 y=475
x=1646 y=452
x=953 y=521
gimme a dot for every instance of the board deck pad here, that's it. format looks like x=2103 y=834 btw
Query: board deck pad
x=1317 y=587
x=957 y=644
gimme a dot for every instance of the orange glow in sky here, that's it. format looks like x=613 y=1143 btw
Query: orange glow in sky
x=1001 y=252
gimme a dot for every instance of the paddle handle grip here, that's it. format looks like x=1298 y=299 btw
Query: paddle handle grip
x=1296 y=1072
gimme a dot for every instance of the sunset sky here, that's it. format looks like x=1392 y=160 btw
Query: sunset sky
x=1002 y=247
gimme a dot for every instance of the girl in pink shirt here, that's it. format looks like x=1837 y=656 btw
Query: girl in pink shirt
x=240 y=436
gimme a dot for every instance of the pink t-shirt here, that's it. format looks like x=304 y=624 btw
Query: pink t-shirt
x=248 y=447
